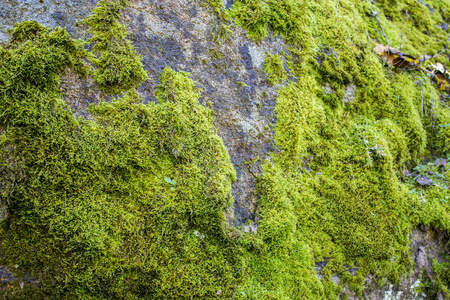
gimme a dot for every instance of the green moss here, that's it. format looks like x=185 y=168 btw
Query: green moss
x=412 y=26
x=88 y=210
x=274 y=68
x=219 y=10
x=215 y=54
x=356 y=207
x=283 y=268
x=444 y=139
x=343 y=195
x=288 y=18
x=118 y=67
x=242 y=84
x=300 y=118
x=221 y=33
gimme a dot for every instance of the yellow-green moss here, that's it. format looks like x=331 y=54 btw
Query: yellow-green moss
x=118 y=66
x=274 y=68
x=439 y=285
x=128 y=205
x=444 y=139
x=288 y=18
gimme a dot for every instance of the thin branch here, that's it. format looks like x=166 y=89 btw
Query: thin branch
x=375 y=15
x=421 y=94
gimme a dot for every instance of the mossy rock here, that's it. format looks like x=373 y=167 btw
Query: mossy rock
x=132 y=203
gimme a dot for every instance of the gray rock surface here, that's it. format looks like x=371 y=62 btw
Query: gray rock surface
x=50 y=13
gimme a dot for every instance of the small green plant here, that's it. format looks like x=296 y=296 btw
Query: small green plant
x=171 y=182
x=215 y=54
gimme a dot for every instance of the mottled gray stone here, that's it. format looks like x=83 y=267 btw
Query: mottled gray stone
x=50 y=13
x=258 y=55
x=253 y=228
x=327 y=89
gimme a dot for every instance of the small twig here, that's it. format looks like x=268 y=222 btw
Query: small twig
x=421 y=94
x=437 y=54
x=404 y=21
x=378 y=34
x=412 y=21
x=375 y=15
x=337 y=8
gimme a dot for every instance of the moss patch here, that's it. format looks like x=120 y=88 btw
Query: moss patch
x=128 y=205
x=118 y=66
x=438 y=286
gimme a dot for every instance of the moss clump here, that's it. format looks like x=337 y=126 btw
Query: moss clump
x=434 y=199
x=301 y=117
x=283 y=265
x=411 y=25
x=288 y=18
x=351 y=208
x=221 y=33
x=219 y=8
x=118 y=67
x=274 y=68
x=89 y=211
